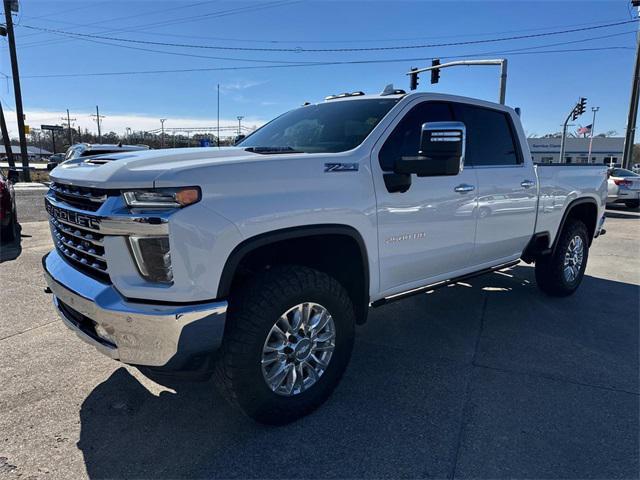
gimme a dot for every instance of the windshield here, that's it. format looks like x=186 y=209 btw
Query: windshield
x=324 y=128
x=623 y=172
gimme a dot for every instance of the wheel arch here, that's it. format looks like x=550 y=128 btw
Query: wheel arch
x=584 y=209
x=338 y=250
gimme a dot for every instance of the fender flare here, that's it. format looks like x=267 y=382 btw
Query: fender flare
x=571 y=206
x=252 y=243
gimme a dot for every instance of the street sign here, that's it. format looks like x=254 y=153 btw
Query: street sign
x=27 y=129
x=15 y=6
x=54 y=128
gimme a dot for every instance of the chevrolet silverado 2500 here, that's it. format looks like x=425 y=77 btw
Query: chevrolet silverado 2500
x=255 y=262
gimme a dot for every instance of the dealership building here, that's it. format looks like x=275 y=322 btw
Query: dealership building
x=604 y=150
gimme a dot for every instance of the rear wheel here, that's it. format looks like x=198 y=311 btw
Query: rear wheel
x=289 y=338
x=560 y=273
x=632 y=203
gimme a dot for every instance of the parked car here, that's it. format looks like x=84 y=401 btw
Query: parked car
x=84 y=150
x=257 y=261
x=55 y=160
x=8 y=214
x=624 y=187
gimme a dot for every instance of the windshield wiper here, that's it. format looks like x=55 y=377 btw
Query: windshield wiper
x=268 y=150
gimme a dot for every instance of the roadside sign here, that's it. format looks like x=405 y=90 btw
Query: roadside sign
x=54 y=128
x=205 y=142
x=27 y=129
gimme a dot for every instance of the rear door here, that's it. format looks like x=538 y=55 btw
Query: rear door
x=507 y=189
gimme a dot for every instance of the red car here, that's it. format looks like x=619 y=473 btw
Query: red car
x=8 y=218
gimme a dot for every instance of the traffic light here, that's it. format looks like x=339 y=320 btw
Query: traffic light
x=413 y=77
x=580 y=108
x=435 y=74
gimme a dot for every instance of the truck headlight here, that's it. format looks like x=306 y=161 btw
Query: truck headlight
x=153 y=258
x=162 y=197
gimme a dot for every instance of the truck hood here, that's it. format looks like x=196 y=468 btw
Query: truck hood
x=141 y=169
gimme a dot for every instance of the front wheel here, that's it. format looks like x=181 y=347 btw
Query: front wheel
x=289 y=338
x=560 y=273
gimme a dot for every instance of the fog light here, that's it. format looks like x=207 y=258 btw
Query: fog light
x=153 y=258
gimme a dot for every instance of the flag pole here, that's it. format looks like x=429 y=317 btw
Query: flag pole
x=593 y=127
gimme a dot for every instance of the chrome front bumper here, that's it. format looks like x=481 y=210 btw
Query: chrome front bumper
x=148 y=334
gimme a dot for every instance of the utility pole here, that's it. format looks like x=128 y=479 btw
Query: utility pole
x=239 y=117
x=162 y=120
x=218 y=140
x=593 y=127
x=98 y=119
x=26 y=176
x=633 y=103
x=7 y=145
x=69 y=120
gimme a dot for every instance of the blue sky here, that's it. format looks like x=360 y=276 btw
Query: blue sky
x=545 y=85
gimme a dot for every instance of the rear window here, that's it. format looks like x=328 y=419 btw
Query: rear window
x=623 y=172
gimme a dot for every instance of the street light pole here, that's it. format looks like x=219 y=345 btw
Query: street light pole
x=593 y=126
x=162 y=120
x=239 y=117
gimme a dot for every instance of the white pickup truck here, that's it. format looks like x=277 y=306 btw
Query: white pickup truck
x=256 y=262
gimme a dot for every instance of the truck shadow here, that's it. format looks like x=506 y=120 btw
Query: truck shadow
x=11 y=250
x=399 y=409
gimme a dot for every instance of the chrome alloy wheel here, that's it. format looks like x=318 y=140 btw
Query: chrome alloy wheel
x=298 y=349
x=573 y=258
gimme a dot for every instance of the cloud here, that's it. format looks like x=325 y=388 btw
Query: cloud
x=120 y=122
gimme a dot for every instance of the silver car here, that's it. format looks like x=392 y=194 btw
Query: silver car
x=624 y=187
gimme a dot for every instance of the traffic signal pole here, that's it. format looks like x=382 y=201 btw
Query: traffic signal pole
x=437 y=66
x=578 y=110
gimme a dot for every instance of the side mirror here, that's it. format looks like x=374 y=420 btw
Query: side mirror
x=238 y=139
x=441 y=151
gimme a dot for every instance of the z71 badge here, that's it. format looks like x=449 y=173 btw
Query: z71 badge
x=341 y=167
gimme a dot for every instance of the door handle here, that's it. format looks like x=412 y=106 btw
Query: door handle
x=464 y=188
x=527 y=183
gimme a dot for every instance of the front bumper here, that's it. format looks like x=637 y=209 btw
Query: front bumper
x=149 y=334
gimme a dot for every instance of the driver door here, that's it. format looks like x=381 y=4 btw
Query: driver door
x=428 y=230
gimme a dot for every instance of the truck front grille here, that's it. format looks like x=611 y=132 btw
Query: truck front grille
x=82 y=247
x=84 y=198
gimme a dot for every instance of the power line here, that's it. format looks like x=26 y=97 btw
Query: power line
x=333 y=50
x=313 y=64
x=137 y=30
x=183 y=54
x=216 y=14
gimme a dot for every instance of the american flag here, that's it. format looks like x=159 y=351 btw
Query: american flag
x=584 y=130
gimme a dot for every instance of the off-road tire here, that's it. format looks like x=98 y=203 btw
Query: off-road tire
x=252 y=313
x=550 y=269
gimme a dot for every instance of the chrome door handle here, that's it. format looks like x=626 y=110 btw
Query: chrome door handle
x=464 y=188
x=527 y=183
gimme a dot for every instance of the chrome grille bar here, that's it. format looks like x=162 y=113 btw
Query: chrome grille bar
x=78 y=193
x=76 y=232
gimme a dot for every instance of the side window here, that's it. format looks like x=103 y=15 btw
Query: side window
x=490 y=136
x=404 y=141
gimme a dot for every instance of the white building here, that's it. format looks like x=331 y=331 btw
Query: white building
x=576 y=150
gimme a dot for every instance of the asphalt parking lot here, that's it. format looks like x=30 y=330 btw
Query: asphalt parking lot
x=486 y=379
